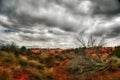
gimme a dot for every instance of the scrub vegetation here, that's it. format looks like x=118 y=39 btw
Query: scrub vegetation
x=84 y=63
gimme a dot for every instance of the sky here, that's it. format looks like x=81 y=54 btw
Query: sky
x=56 y=23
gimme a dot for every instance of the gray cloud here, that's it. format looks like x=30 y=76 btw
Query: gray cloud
x=107 y=7
x=109 y=29
x=50 y=21
x=29 y=12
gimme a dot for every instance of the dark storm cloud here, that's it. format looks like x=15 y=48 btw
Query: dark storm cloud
x=27 y=13
x=112 y=32
x=115 y=32
x=28 y=38
x=5 y=25
x=107 y=7
x=23 y=12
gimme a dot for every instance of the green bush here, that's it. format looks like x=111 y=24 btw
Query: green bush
x=10 y=47
x=116 y=52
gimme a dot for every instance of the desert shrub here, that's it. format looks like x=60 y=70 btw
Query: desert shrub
x=47 y=59
x=23 y=48
x=61 y=57
x=113 y=63
x=9 y=47
x=85 y=63
x=44 y=56
x=47 y=74
x=33 y=56
x=23 y=61
x=116 y=52
x=80 y=50
x=36 y=64
x=4 y=53
x=88 y=65
x=14 y=48
x=6 y=74
x=23 y=57
x=81 y=64
x=5 y=47
x=8 y=60
x=36 y=74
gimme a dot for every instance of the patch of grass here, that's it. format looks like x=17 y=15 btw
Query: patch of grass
x=6 y=74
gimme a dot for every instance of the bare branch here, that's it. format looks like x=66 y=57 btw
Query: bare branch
x=90 y=41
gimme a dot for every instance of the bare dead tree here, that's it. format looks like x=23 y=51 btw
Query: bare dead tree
x=90 y=41
x=83 y=62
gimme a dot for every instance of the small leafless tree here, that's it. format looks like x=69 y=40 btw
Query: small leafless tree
x=83 y=62
x=90 y=42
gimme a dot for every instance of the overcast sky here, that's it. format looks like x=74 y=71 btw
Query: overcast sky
x=54 y=23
